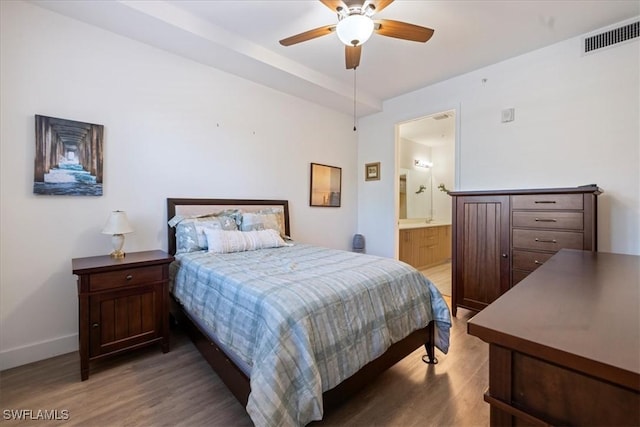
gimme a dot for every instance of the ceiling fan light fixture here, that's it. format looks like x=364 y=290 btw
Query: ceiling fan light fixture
x=354 y=30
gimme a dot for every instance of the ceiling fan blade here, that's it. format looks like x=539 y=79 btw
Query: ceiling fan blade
x=308 y=35
x=403 y=30
x=334 y=5
x=352 y=56
x=379 y=4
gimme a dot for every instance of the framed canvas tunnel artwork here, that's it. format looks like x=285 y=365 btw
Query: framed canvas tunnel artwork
x=68 y=158
x=326 y=185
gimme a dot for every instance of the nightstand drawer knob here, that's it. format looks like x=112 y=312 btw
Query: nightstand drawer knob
x=129 y=277
x=95 y=325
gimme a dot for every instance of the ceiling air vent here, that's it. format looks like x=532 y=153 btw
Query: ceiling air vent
x=612 y=37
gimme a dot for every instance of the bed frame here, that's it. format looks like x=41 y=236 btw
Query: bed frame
x=233 y=377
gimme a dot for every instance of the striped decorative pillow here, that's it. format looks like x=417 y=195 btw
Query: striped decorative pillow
x=225 y=241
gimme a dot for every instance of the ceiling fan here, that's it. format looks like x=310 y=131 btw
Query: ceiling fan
x=355 y=26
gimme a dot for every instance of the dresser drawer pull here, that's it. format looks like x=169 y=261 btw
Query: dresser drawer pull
x=95 y=325
x=537 y=262
x=546 y=240
x=545 y=201
x=129 y=277
x=546 y=220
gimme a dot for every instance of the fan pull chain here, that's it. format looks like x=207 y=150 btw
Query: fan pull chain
x=354 y=99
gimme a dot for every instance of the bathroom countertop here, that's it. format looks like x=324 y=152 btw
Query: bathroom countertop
x=421 y=224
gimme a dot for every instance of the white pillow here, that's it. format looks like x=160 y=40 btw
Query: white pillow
x=225 y=241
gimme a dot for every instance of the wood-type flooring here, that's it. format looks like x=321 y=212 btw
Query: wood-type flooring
x=149 y=388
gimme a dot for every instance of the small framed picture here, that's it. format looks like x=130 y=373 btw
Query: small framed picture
x=372 y=171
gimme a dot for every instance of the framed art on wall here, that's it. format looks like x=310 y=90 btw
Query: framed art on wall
x=325 y=186
x=372 y=171
x=68 y=159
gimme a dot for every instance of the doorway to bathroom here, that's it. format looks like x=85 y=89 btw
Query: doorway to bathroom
x=426 y=170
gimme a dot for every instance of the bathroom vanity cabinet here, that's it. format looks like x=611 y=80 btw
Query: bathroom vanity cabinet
x=425 y=245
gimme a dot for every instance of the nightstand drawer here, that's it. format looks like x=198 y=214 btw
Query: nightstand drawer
x=564 y=220
x=547 y=240
x=128 y=277
x=547 y=201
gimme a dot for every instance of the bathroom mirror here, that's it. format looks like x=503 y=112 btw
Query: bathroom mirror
x=416 y=194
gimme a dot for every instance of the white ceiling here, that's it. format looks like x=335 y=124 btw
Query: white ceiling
x=432 y=131
x=241 y=37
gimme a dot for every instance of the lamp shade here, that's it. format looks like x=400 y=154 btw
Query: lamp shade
x=354 y=29
x=117 y=224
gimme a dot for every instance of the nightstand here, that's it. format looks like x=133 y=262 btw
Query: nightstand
x=123 y=304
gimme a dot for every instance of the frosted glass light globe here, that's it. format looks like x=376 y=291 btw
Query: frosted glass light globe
x=354 y=30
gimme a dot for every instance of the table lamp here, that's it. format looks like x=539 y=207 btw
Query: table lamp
x=117 y=225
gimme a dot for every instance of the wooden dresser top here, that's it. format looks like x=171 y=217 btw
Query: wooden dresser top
x=105 y=262
x=591 y=188
x=581 y=309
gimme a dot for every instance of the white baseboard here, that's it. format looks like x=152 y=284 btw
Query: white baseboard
x=39 y=351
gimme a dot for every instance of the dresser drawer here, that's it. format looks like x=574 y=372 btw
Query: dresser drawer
x=547 y=240
x=547 y=201
x=563 y=220
x=529 y=261
x=518 y=276
x=128 y=277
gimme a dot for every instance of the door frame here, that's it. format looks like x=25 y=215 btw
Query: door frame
x=396 y=173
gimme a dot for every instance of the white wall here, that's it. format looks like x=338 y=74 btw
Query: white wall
x=443 y=172
x=173 y=128
x=577 y=121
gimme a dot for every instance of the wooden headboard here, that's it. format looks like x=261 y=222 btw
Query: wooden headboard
x=186 y=207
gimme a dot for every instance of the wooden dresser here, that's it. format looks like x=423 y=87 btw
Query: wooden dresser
x=123 y=304
x=564 y=345
x=500 y=237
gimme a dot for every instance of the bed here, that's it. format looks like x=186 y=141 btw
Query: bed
x=292 y=329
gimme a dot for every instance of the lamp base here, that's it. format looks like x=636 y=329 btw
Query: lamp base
x=117 y=254
x=117 y=240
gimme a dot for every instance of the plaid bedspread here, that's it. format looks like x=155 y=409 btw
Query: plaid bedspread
x=304 y=318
